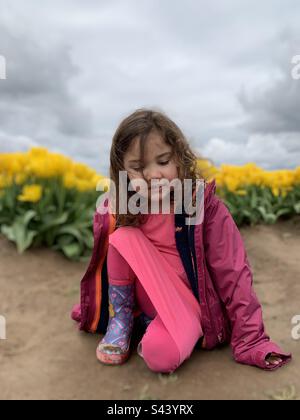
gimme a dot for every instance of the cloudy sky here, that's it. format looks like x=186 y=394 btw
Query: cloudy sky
x=222 y=70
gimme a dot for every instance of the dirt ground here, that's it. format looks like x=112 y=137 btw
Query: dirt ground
x=45 y=357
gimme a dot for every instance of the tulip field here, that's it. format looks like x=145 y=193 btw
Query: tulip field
x=48 y=199
x=254 y=195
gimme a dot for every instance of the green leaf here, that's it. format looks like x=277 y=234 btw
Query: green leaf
x=297 y=208
x=88 y=238
x=283 y=211
x=72 y=250
x=25 y=240
x=8 y=232
x=19 y=233
x=253 y=198
x=262 y=211
x=267 y=217
x=247 y=213
x=72 y=230
x=55 y=221
x=63 y=240
x=27 y=217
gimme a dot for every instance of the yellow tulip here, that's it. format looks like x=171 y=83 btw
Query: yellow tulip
x=20 y=178
x=38 y=162
x=275 y=191
x=31 y=193
x=69 y=180
x=237 y=177
x=241 y=192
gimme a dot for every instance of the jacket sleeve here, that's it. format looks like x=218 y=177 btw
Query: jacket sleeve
x=232 y=277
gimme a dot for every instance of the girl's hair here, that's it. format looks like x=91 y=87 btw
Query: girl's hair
x=139 y=125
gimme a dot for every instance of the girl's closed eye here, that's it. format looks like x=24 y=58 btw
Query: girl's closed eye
x=160 y=163
x=137 y=169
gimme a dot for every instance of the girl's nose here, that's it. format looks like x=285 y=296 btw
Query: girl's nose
x=152 y=173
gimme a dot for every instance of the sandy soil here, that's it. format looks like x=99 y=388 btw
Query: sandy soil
x=45 y=357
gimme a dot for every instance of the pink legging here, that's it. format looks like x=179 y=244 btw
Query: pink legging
x=159 y=350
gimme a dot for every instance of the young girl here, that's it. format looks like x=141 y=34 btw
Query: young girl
x=189 y=285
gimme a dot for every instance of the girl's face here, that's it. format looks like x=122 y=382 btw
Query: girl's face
x=159 y=163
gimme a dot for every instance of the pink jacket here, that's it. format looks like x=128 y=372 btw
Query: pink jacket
x=231 y=312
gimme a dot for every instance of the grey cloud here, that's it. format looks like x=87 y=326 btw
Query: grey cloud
x=274 y=107
x=36 y=96
x=283 y=148
x=76 y=71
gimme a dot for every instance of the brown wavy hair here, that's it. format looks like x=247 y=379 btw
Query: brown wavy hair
x=139 y=125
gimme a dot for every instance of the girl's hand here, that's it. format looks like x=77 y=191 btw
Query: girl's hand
x=273 y=359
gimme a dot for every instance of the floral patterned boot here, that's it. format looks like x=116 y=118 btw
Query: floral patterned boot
x=114 y=348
